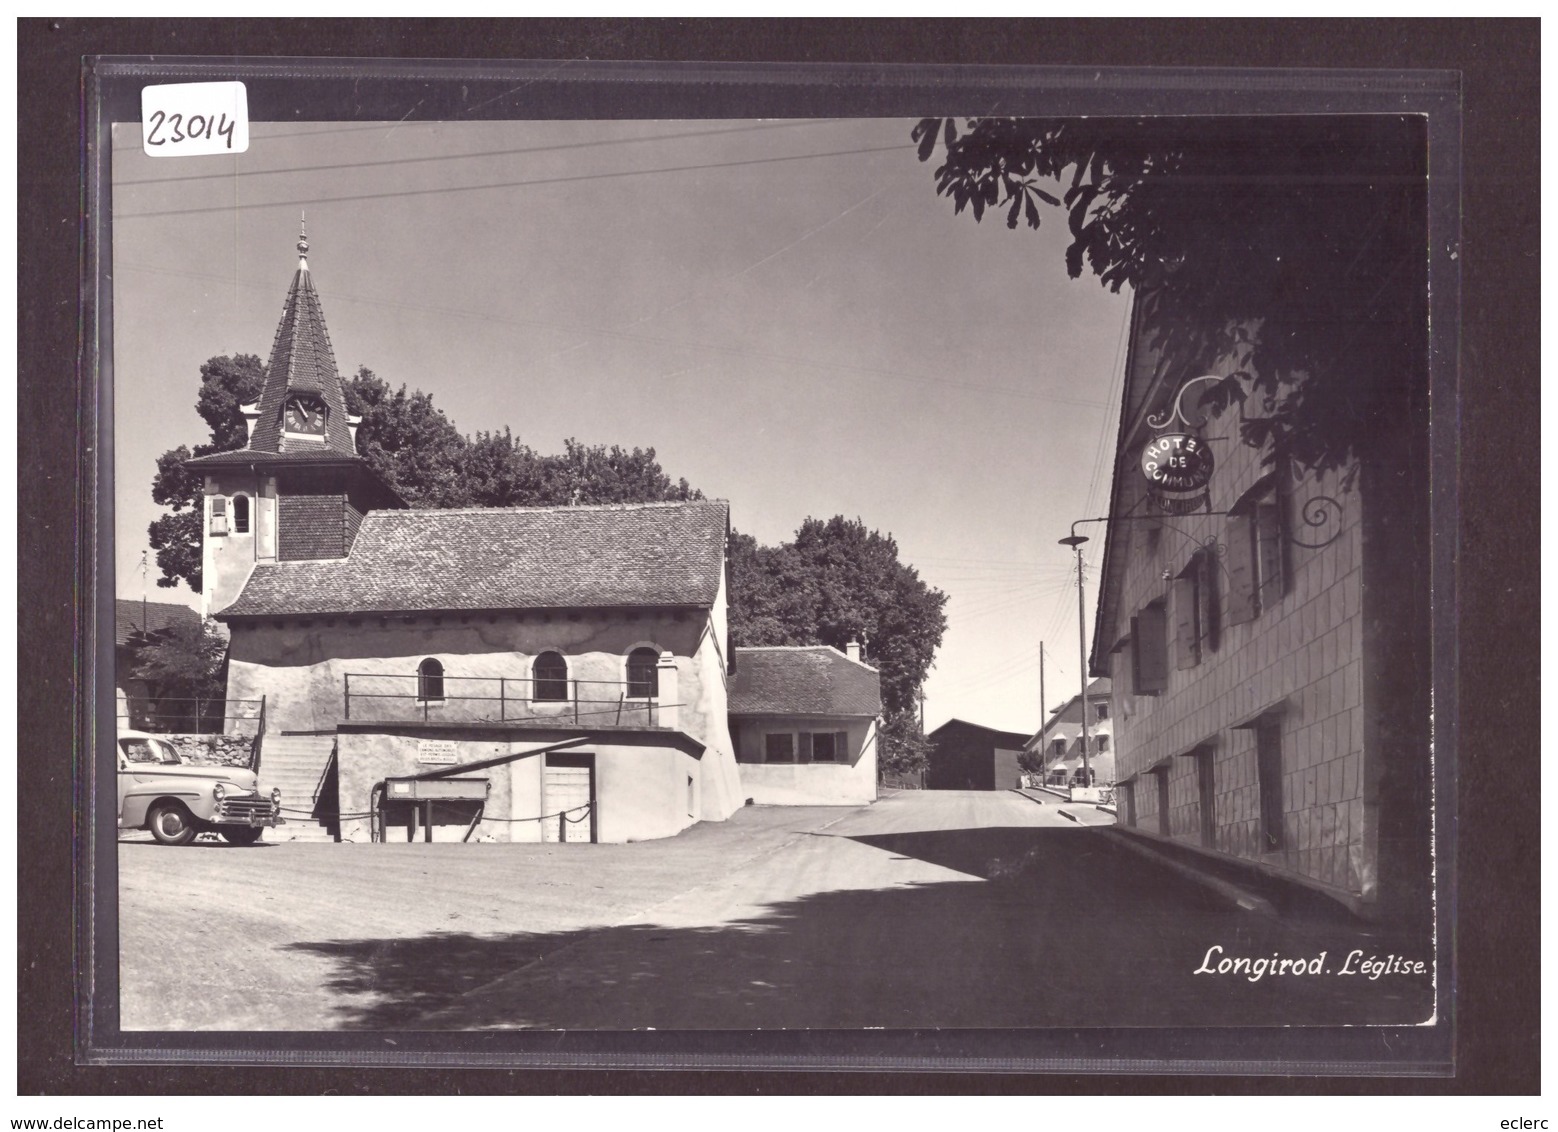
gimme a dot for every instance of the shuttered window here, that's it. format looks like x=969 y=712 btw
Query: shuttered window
x=1269 y=552
x=1257 y=556
x=1195 y=611
x=779 y=748
x=1149 y=650
x=1242 y=605
x=1187 y=621
x=828 y=747
x=218 y=515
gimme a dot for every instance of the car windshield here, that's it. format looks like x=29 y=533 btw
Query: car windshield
x=149 y=751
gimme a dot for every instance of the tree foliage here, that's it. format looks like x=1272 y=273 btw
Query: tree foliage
x=225 y=384
x=183 y=661
x=414 y=447
x=902 y=746
x=836 y=581
x=1294 y=247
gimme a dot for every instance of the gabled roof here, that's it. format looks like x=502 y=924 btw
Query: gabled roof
x=644 y=554
x=136 y=620
x=1015 y=739
x=803 y=680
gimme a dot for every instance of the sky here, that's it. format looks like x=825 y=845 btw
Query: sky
x=784 y=310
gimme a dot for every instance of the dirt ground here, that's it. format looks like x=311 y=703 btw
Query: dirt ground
x=928 y=909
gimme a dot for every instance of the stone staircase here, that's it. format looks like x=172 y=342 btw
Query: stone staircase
x=297 y=764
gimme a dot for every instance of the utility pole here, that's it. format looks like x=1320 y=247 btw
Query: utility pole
x=1077 y=541
x=1042 y=699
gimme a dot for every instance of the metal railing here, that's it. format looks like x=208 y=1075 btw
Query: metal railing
x=172 y=715
x=379 y=698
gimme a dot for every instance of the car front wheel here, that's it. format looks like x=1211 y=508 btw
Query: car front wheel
x=171 y=824
x=242 y=834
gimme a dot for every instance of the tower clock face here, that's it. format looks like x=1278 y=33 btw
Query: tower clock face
x=305 y=415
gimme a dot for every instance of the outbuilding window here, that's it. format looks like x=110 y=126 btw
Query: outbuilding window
x=240 y=514
x=551 y=676
x=643 y=674
x=430 y=680
x=828 y=746
x=779 y=748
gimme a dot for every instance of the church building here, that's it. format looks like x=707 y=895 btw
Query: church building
x=508 y=674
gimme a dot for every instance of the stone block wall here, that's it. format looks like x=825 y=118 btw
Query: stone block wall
x=1298 y=664
x=214 y=750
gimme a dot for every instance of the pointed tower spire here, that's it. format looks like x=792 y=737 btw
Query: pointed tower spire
x=302 y=406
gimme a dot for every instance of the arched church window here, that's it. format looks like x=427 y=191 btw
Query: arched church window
x=430 y=680
x=551 y=676
x=240 y=514
x=643 y=674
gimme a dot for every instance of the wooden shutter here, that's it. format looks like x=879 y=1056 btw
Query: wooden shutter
x=1241 y=570
x=841 y=746
x=1149 y=635
x=1187 y=620
x=803 y=755
x=1206 y=564
x=1268 y=540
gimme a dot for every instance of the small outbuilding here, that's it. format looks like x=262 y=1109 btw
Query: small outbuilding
x=969 y=756
x=804 y=723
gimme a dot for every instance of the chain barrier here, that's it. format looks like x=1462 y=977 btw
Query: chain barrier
x=324 y=817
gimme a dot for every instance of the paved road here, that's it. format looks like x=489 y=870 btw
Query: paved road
x=949 y=909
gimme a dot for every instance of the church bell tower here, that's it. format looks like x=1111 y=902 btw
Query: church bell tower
x=298 y=489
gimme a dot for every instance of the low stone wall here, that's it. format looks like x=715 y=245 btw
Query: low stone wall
x=214 y=750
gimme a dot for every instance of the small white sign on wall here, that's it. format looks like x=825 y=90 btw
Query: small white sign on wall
x=437 y=752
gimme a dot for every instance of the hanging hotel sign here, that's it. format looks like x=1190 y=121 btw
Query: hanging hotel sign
x=1178 y=465
x=1177 y=462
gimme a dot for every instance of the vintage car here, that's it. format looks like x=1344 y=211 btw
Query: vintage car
x=177 y=802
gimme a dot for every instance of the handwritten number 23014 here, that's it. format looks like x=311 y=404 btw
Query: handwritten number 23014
x=195 y=126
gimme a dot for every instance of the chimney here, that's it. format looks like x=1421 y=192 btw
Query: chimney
x=852 y=650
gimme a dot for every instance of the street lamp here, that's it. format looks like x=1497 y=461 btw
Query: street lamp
x=1077 y=540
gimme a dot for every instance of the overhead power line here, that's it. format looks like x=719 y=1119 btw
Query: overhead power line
x=316 y=201
x=627 y=336
x=599 y=143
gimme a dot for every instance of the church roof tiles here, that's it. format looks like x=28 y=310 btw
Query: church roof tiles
x=651 y=554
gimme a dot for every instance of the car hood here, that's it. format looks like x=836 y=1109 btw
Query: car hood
x=241 y=777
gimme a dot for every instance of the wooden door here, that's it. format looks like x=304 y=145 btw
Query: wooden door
x=568 y=798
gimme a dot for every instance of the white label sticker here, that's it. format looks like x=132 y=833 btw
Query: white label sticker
x=437 y=751
x=191 y=119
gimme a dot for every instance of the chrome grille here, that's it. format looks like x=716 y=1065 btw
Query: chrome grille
x=246 y=808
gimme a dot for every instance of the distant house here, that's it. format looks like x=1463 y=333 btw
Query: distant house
x=136 y=625
x=1058 y=745
x=804 y=723
x=968 y=756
